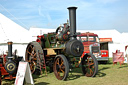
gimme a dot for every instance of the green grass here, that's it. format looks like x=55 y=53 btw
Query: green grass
x=108 y=74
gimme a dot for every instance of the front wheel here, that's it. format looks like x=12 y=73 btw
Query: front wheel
x=34 y=56
x=89 y=65
x=61 y=67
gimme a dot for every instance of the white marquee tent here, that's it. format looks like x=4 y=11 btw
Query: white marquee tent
x=10 y=31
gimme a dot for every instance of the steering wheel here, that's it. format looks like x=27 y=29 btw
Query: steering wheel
x=59 y=29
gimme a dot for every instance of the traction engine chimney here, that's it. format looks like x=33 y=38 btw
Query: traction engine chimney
x=9 y=49
x=72 y=18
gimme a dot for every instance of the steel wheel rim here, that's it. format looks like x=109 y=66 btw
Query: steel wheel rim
x=88 y=66
x=31 y=57
x=59 y=68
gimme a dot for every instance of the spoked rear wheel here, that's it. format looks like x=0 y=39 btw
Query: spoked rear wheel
x=89 y=65
x=61 y=67
x=34 y=56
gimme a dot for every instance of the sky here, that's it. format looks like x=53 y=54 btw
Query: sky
x=91 y=14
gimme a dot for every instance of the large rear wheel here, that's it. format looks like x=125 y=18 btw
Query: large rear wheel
x=89 y=65
x=61 y=67
x=34 y=55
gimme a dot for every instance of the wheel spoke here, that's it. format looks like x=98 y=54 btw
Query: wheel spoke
x=88 y=60
x=28 y=60
x=31 y=66
x=62 y=71
x=92 y=60
x=34 y=58
x=91 y=64
x=61 y=63
x=91 y=71
x=28 y=52
x=57 y=61
x=34 y=54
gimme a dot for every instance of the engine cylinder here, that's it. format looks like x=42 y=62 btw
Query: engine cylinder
x=74 y=47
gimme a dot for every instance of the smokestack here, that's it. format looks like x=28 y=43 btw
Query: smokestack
x=72 y=18
x=9 y=49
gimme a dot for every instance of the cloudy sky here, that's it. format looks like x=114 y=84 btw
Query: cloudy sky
x=91 y=14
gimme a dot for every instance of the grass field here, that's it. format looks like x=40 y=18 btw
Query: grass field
x=107 y=75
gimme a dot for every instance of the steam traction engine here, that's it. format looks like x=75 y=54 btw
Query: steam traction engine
x=60 y=50
x=9 y=63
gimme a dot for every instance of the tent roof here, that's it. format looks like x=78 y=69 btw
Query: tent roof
x=10 y=31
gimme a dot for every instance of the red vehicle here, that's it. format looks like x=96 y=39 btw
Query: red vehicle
x=92 y=44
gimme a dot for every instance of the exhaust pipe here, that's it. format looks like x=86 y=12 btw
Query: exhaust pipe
x=72 y=19
x=10 y=49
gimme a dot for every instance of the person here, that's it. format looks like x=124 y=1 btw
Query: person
x=126 y=54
